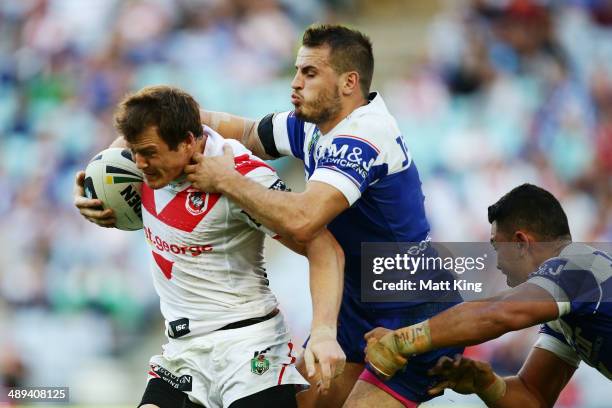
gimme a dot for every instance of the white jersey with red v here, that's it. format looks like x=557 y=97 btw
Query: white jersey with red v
x=207 y=261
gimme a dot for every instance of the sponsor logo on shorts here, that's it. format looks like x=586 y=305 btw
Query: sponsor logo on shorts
x=260 y=363
x=182 y=383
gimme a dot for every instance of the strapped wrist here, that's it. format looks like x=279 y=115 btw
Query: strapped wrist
x=494 y=391
x=415 y=339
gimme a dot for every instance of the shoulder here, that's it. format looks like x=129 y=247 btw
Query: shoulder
x=373 y=125
x=245 y=161
x=378 y=133
x=551 y=267
x=373 y=119
x=238 y=148
x=575 y=258
x=574 y=279
x=247 y=164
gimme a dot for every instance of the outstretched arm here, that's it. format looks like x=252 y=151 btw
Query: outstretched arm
x=537 y=385
x=462 y=325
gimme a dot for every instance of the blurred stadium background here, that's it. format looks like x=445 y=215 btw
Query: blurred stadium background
x=489 y=93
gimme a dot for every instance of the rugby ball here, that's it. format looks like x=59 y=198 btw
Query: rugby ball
x=113 y=178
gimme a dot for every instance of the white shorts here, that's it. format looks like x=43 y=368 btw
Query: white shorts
x=221 y=367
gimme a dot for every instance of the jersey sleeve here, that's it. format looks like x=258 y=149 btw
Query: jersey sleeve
x=555 y=342
x=576 y=290
x=282 y=134
x=351 y=163
x=265 y=175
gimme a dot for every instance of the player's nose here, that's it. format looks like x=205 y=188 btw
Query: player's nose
x=141 y=163
x=298 y=82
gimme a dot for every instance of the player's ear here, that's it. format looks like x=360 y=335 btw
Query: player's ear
x=190 y=141
x=350 y=83
x=522 y=239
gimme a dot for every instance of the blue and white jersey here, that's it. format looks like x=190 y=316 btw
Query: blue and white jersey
x=580 y=280
x=366 y=158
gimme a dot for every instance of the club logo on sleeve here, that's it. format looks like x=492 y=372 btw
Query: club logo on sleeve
x=197 y=202
x=552 y=267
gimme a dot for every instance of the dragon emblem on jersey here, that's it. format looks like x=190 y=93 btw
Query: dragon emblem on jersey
x=197 y=202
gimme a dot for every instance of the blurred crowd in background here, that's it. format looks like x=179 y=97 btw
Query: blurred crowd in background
x=502 y=92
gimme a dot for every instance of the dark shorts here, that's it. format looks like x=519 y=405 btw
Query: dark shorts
x=356 y=319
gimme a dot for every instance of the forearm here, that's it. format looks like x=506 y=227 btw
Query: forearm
x=470 y=323
x=462 y=325
x=230 y=126
x=282 y=211
x=516 y=395
x=326 y=261
x=238 y=128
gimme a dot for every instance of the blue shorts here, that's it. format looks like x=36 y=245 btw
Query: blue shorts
x=356 y=319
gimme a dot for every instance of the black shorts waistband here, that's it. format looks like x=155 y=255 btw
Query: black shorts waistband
x=249 y=322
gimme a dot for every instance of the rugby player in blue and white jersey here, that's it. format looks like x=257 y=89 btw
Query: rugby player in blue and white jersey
x=361 y=182
x=566 y=286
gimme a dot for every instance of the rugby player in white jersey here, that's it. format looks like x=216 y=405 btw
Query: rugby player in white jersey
x=228 y=344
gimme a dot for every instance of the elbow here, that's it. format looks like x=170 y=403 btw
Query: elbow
x=300 y=227
x=301 y=232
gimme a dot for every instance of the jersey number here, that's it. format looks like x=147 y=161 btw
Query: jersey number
x=603 y=254
x=402 y=144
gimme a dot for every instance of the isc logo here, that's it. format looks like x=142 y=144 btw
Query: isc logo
x=178 y=328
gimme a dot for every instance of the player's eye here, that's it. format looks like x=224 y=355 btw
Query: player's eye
x=144 y=153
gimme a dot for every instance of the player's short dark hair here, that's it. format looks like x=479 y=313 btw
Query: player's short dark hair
x=531 y=208
x=173 y=111
x=350 y=50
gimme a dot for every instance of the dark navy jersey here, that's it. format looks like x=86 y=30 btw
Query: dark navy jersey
x=580 y=280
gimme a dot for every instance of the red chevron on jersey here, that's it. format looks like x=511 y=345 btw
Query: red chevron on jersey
x=244 y=164
x=184 y=211
x=164 y=264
